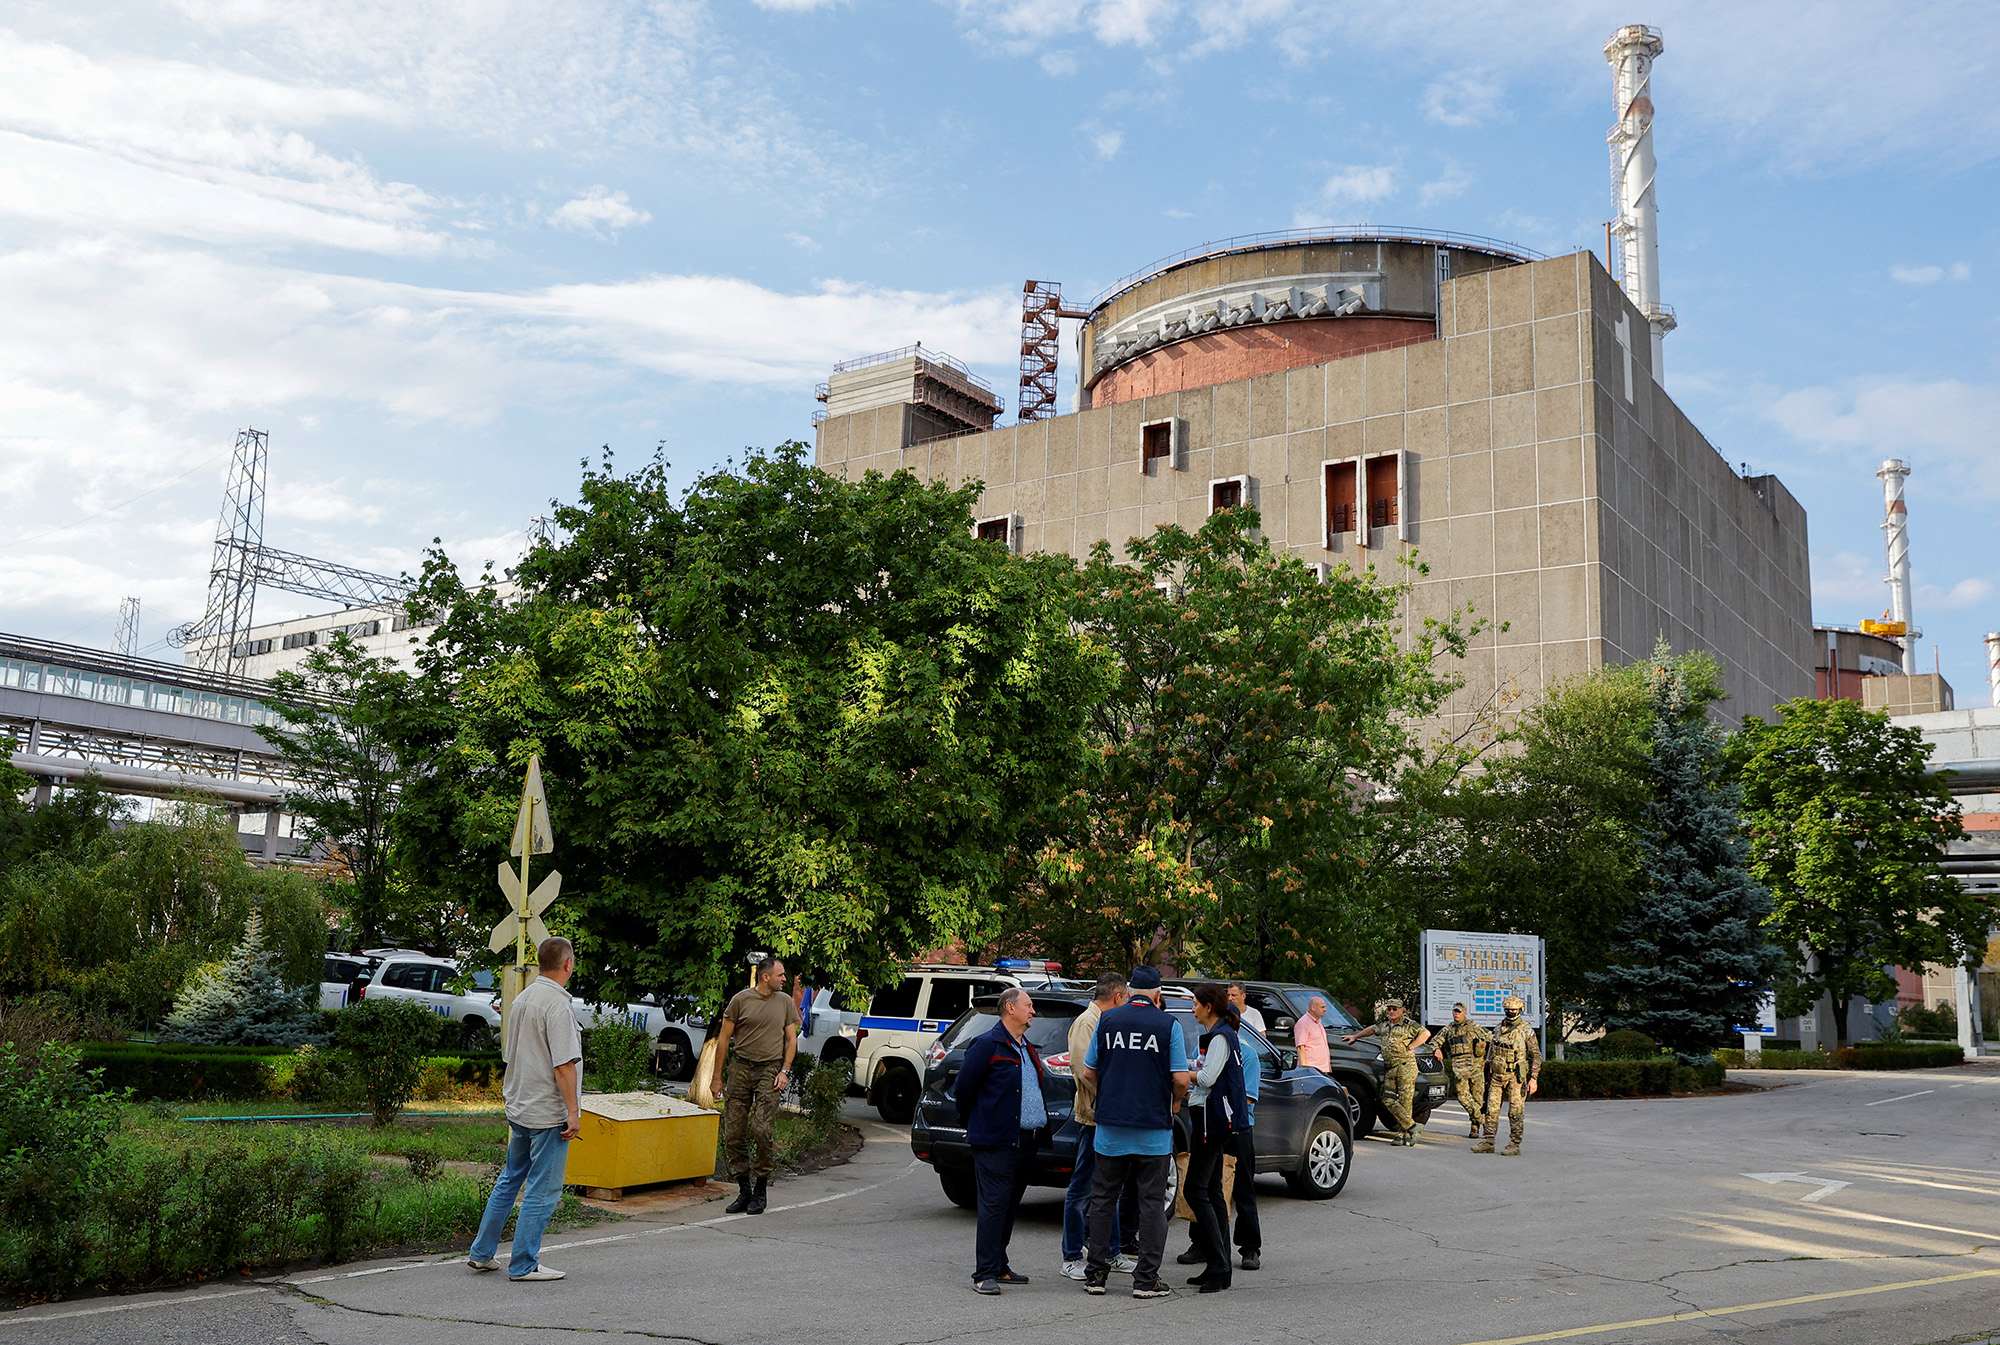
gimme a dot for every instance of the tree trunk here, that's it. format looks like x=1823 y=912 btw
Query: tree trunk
x=1840 y=1021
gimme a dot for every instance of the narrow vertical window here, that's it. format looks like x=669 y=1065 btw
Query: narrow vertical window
x=1340 y=499
x=1381 y=484
x=1159 y=441
x=1225 y=495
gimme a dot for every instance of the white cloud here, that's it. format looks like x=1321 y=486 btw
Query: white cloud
x=1961 y=271
x=1463 y=98
x=804 y=242
x=1944 y=425
x=1446 y=186
x=599 y=211
x=1058 y=63
x=1917 y=275
x=795 y=6
x=1965 y=593
x=1107 y=143
x=1350 y=189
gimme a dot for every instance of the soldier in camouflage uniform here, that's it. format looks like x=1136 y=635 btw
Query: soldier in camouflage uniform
x=1513 y=1071
x=1400 y=1039
x=1462 y=1043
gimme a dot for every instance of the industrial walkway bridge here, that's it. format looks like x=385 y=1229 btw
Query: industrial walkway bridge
x=142 y=727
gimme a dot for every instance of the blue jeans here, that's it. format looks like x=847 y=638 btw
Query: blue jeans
x=1076 y=1201
x=534 y=1171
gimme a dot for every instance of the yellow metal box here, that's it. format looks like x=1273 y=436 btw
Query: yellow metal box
x=635 y=1139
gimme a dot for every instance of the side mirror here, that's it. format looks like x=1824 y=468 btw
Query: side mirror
x=1282 y=1024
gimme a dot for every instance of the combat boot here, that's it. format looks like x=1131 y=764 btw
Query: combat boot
x=1473 y=1133
x=1483 y=1147
x=742 y=1201
x=1513 y=1148
x=757 y=1197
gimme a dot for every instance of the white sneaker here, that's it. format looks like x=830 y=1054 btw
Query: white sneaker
x=538 y=1273
x=1124 y=1265
x=1073 y=1270
x=477 y=1264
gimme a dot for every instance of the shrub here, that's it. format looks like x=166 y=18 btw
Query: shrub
x=316 y=1076
x=55 y=1124
x=245 y=1001
x=1626 y=1078
x=1772 y=1058
x=617 y=1057
x=1626 y=1044
x=1937 y=1024
x=183 y=1073
x=823 y=1093
x=1907 y=1055
x=386 y=1041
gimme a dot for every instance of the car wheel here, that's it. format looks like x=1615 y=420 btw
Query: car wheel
x=842 y=1049
x=1324 y=1162
x=961 y=1188
x=896 y=1096
x=673 y=1057
x=478 y=1035
x=1365 y=1111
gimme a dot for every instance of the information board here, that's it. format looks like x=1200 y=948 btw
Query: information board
x=1479 y=970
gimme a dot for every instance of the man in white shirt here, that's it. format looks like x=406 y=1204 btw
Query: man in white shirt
x=1243 y=1010
x=543 y=1090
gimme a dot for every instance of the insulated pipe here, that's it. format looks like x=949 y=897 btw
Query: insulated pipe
x=1631 y=51
x=1993 y=666
x=1896 y=536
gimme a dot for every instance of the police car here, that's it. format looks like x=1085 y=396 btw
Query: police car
x=902 y=1022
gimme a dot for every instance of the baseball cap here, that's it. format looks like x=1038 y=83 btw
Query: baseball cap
x=1392 y=1004
x=1144 y=978
x=1460 y=1006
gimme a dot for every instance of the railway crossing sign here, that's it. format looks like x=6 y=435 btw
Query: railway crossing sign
x=523 y=926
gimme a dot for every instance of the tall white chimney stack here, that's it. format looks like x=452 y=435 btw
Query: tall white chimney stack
x=1631 y=51
x=1993 y=666
x=1896 y=533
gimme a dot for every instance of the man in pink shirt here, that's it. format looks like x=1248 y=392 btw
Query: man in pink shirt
x=1310 y=1035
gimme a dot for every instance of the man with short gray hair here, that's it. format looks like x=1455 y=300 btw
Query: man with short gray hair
x=1000 y=1094
x=1111 y=991
x=544 y=1054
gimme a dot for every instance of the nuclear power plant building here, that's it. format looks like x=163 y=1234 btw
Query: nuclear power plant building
x=1495 y=414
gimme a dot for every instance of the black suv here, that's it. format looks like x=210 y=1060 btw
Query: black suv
x=1359 y=1067
x=1305 y=1121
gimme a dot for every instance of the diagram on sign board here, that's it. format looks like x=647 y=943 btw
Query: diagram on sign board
x=1479 y=970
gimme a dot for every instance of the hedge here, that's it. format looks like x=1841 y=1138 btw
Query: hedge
x=1870 y=1055
x=1625 y=1078
x=179 y=1073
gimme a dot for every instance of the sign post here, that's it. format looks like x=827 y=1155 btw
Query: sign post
x=523 y=926
x=1480 y=970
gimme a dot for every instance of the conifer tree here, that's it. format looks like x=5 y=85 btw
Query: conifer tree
x=1691 y=960
x=245 y=1001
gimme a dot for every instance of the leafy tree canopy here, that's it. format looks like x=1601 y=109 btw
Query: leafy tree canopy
x=1847 y=827
x=785 y=711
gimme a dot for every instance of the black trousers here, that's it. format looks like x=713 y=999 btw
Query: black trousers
x=1003 y=1175
x=1115 y=1172
x=1204 y=1197
x=1249 y=1233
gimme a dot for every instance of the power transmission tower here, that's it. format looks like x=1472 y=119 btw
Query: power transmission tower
x=128 y=627
x=232 y=575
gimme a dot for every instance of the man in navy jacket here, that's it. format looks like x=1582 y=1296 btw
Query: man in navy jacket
x=1000 y=1096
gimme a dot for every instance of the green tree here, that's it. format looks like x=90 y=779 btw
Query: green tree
x=245 y=1001
x=1547 y=837
x=1847 y=827
x=75 y=817
x=339 y=737
x=1690 y=958
x=785 y=711
x=1223 y=822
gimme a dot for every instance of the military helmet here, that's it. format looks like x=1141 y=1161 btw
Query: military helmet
x=1512 y=1004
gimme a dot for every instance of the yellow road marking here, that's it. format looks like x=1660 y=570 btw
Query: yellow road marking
x=1698 y=1314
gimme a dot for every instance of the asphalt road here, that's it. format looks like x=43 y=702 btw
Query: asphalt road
x=1694 y=1219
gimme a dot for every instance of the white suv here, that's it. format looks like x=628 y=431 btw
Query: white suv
x=426 y=980
x=902 y=1022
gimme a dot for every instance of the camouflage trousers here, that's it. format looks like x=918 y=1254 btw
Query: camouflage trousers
x=750 y=1115
x=1399 y=1095
x=1506 y=1088
x=1466 y=1088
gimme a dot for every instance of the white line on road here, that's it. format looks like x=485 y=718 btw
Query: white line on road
x=458 y=1258
x=176 y=1302
x=1904 y=1098
x=1826 y=1188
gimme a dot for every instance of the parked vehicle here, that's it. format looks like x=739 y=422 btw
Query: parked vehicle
x=338 y=978
x=903 y=1021
x=1359 y=1066
x=427 y=980
x=1305 y=1120
x=676 y=1031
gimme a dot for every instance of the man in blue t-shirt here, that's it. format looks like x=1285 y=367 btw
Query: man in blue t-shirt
x=1139 y=1063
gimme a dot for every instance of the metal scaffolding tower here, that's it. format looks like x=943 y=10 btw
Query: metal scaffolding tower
x=127 y=640
x=1042 y=312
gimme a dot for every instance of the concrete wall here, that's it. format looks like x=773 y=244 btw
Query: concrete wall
x=1539 y=495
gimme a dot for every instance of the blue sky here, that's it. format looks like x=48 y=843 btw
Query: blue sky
x=443 y=251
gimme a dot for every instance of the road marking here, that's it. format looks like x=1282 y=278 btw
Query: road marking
x=1941 y=1186
x=1904 y=1098
x=1699 y=1313
x=176 y=1302
x=1826 y=1188
x=1885 y=1219
x=458 y=1258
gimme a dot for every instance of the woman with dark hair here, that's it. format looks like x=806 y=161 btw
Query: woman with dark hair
x=1217 y=1109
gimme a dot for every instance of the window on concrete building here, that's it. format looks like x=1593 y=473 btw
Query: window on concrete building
x=994 y=530
x=1382 y=491
x=1225 y=494
x=1340 y=494
x=301 y=639
x=1005 y=530
x=1160 y=441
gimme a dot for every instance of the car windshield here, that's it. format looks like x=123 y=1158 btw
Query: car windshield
x=1049 y=1033
x=1335 y=1015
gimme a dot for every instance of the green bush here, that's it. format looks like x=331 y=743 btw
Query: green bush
x=1905 y=1055
x=1625 y=1044
x=386 y=1042
x=56 y=1123
x=1626 y=1078
x=183 y=1073
x=1937 y=1024
x=823 y=1092
x=1770 y=1058
x=617 y=1057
